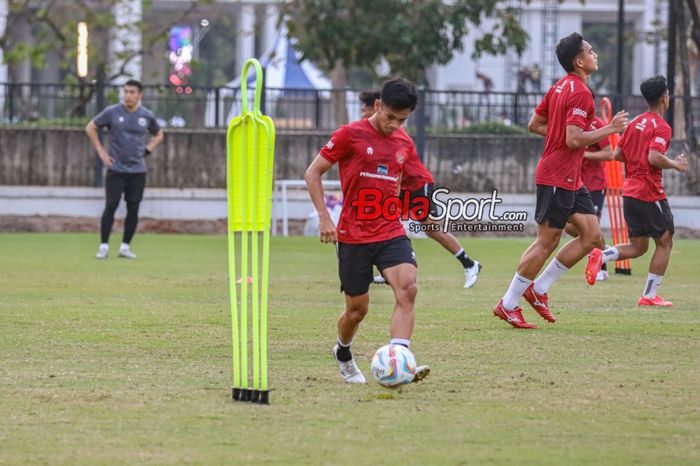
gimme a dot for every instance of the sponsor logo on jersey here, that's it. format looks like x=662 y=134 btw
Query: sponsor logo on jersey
x=370 y=151
x=382 y=169
x=330 y=145
x=581 y=113
x=660 y=140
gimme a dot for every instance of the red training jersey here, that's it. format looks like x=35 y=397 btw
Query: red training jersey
x=645 y=133
x=415 y=175
x=368 y=159
x=568 y=102
x=592 y=171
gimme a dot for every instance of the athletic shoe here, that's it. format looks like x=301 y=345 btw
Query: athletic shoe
x=514 y=317
x=595 y=262
x=126 y=253
x=379 y=280
x=349 y=370
x=655 y=301
x=471 y=274
x=102 y=252
x=602 y=276
x=421 y=373
x=539 y=303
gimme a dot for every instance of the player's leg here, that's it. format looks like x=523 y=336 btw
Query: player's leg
x=133 y=194
x=637 y=247
x=598 y=197
x=448 y=240
x=551 y=214
x=657 y=269
x=397 y=262
x=114 y=187
x=662 y=219
x=355 y=271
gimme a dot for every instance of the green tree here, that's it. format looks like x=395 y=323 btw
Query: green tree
x=53 y=27
x=410 y=36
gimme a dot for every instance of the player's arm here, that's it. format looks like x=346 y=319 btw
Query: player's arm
x=537 y=125
x=91 y=131
x=602 y=155
x=313 y=177
x=618 y=155
x=577 y=138
x=155 y=140
x=660 y=161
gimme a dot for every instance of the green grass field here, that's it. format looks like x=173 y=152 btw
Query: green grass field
x=128 y=362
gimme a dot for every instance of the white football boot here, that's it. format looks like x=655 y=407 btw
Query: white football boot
x=125 y=252
x=102 y=251
x=349 y=370
x=421 y=373
x=471 y=274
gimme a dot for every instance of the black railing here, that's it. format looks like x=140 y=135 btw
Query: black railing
x=69 y=105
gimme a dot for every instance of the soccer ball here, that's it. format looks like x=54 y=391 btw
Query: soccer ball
x=393 y=365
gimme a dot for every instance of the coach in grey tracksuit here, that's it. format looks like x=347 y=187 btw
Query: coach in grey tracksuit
x=128 y=124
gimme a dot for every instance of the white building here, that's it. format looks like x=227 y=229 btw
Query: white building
x=546 y=21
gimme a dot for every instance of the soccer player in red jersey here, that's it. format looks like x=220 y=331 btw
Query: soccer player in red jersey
x=593 y=178
x=371 y=155
x=418 y=181
x=642 y=148
x=563 y=118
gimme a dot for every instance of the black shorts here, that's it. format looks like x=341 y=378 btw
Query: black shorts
x=355 y=262
x=131 y=184
x=558 y=204
x=426 y=191
x=598 y=198
x=647 y=219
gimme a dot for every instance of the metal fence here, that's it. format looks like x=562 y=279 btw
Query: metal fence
x=69 y=105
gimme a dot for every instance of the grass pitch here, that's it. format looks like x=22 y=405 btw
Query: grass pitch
x=128 y=362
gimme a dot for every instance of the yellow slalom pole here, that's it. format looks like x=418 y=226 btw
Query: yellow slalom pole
x=250 y=162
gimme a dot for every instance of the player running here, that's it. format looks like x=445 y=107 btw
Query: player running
x=563 y=117
x=418 y=181
x=593 y=178
x=371 y=155
x=642 y=148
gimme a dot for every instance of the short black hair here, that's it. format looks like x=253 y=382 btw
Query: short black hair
x=653 y=89
x=399 y=94
x=369 y=96
x=135 y=83
x=568 y=49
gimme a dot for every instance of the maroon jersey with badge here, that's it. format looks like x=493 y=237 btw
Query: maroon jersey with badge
x=568 y=102
x=592 y=171
x=368 y=159
x=645 y=133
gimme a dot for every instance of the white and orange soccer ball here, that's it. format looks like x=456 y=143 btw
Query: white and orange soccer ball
x=393 y=365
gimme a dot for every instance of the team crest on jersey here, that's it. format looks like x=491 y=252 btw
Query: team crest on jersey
x=382 y=169
x=400 y=157
x=370 y=151
x=121 y=119
x=142 y=122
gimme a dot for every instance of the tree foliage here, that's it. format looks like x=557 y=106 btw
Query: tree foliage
x=53 y=26
x=409 y=35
